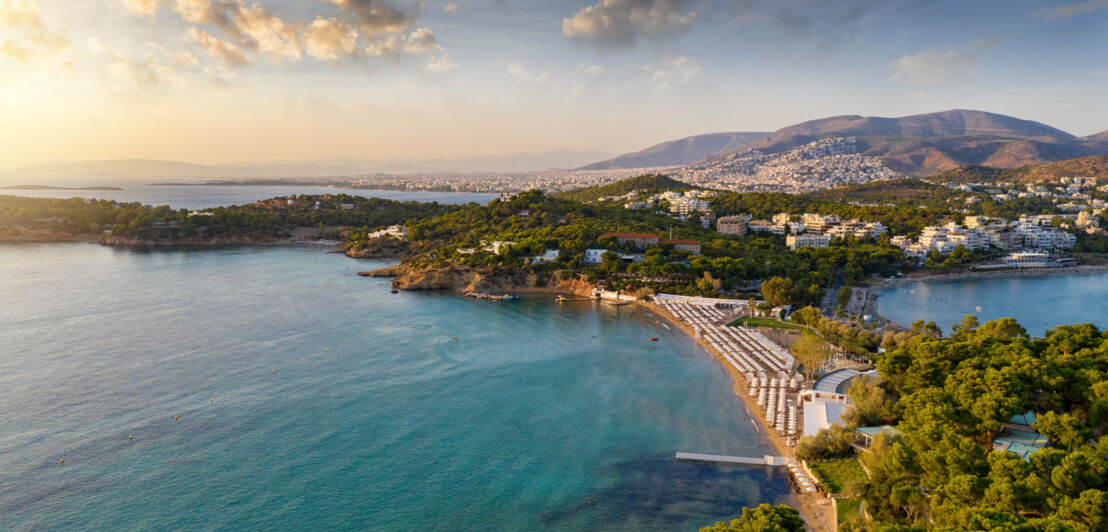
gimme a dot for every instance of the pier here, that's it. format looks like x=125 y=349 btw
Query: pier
x=767 y=460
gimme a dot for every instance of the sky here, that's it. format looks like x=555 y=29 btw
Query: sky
x=232 y=81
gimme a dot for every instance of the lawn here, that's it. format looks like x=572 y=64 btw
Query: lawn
x=847 y=509
x=766 y=322
x=770 y=322
x=837 y=474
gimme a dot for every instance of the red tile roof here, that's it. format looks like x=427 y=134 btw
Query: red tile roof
x=680 y=241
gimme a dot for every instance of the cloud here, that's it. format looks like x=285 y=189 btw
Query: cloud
x=30 y=39
x=227 y=53
x=149 y=72
x=330 y=39
x=443 y=63
x=589 y=69
x=451 y=8
x=940 y=65
x=376 y=17
x=521 y=74
x=1069 y=10
x=674 y=71
x=147 y=8
x=255 y=28
x=419 y=41
x=272 y=35
x=620 y=24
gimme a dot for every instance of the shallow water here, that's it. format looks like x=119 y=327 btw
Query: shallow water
x=1038 y=302
x=539 y=416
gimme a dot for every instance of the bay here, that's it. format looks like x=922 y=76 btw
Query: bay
x=199 y=196
x=1039 y=303
x=308 y=398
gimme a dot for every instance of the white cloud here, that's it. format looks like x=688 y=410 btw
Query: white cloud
x=418 y=41
x=148 y=72
x=616 y=24
x=451 y=8
x=1069 y=10
x=443 y=63
x=940 y=65
x=674 y=71
x=227 y=53
x=30 y=41
x=330 y=39
x=521 y=74
x=589 y=69
x=147 y=8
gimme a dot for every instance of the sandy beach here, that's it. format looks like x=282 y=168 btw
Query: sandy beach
x=818 y=512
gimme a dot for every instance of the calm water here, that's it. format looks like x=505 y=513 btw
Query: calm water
x=1039 y=303
x=538 y=416
x=200 y=196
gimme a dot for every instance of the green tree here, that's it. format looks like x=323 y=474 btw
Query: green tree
x=764 y=518
x=810 y=351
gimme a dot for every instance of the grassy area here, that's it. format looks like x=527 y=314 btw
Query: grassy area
x=766 y=322
x=848 y=509
x=837 y=474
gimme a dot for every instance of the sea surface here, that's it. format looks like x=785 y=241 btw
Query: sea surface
x=201 y=196
x=1039 y=303
x=273 y=389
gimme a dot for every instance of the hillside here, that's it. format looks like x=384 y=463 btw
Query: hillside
x=935 y=142
x=646 y=184
x=677 y=152
x=1092 y=166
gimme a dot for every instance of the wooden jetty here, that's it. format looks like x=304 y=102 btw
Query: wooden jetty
x=767 y=460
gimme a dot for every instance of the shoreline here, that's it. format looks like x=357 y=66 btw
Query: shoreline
x=818 y=513
x=873 y=295
x=887 y=284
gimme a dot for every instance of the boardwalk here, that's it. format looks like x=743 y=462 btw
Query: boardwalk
x=767 y=460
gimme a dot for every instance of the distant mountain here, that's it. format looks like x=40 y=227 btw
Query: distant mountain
x=678 y=152
x=142 y=168
x=930 y=143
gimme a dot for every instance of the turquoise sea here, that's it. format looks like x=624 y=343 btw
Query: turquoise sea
x=1039 y=303
x=272 y=389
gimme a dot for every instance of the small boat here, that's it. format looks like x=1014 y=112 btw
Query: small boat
x=395 y=291
x=507 y=297
x=653 y=339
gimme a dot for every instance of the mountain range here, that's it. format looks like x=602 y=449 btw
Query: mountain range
x=683 y=151
x=144 y=168
x=919 y=145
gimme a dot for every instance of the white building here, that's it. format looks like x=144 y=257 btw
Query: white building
x=594 y=255
x=815 y=241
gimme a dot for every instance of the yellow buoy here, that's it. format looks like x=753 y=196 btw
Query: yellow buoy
x=131 y=437
x=63 y=460
x=302 y=361
x=174 y=417
x=213 y=399
x=275 y=371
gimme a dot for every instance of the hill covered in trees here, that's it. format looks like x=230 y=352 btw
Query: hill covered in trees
x=646 y=185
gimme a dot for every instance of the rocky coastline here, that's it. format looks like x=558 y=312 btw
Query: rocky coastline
x=480 y=280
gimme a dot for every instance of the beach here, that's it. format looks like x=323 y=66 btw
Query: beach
x=818 y=512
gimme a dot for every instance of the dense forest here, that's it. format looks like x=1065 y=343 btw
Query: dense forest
x=949 y=398
x=274 y=218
